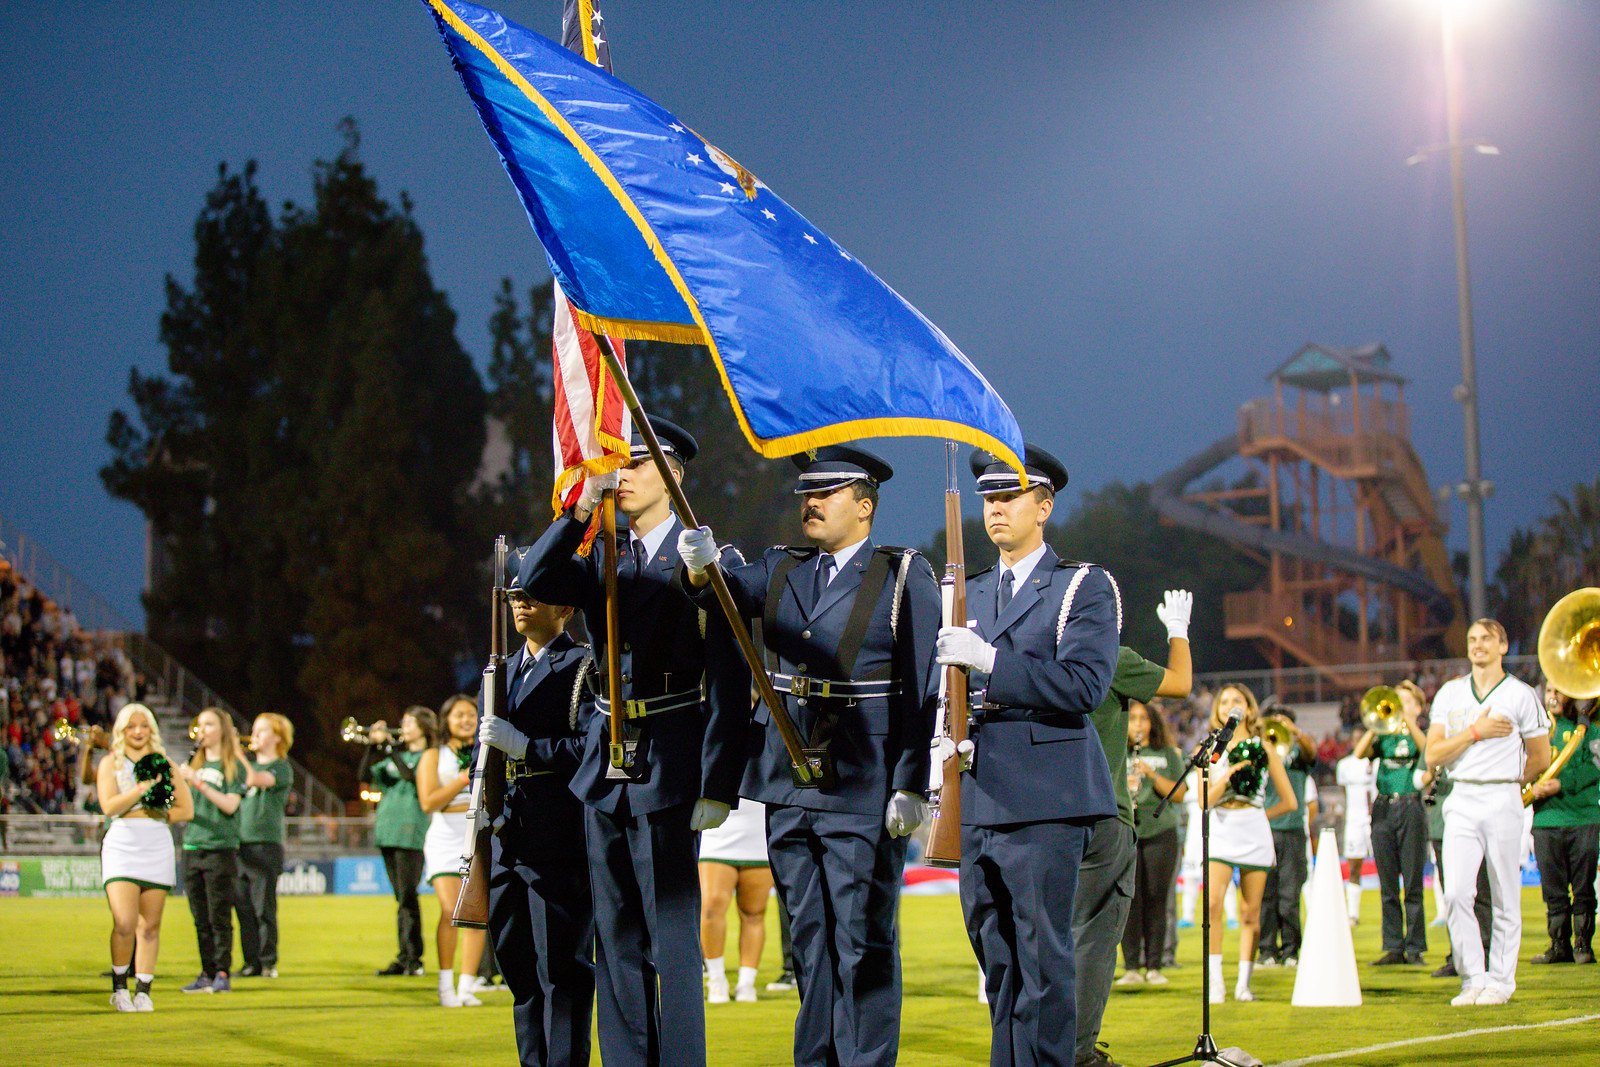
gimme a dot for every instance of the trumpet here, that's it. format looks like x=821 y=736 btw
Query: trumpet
x=1381 y=711
x=1276 y=733
x=1569 y=656
x=355 y=733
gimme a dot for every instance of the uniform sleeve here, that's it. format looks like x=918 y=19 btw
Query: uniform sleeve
x=747 y=584
x=1531 y=715
x=282 y=777
x=551 y=571
x=722 y=749
x=920 y=615
x=1079 y=676
x=1136 y=678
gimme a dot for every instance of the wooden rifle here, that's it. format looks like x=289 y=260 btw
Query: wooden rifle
x=488 y=798
x=944 y=834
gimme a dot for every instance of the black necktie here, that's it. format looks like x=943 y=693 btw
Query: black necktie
x=820 y=585
x=636 y=555
x=524 y=672
x=1002 y=596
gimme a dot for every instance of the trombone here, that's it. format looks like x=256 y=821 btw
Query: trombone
x=1381 y=711
x=1569 y=656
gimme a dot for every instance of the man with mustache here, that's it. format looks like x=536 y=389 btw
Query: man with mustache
x=849 y=628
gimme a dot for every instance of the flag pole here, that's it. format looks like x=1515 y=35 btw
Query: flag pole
x=621 y=757
x=810 y=767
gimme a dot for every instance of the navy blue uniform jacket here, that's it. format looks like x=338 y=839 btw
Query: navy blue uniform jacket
x=547 y=715
x=685 y=754
x=878 y=744
x=1038 y=757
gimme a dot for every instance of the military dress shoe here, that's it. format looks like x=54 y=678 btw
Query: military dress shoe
x=1389 y=959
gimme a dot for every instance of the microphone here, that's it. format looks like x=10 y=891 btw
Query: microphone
x=1224 y=736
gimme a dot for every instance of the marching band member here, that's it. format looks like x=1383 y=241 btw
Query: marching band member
x=400 y=827
x=1154 y=765
x=1241 y=831
x=267 y=786
x=443 y=775
x=1492 y=733
x=215 y=774
x=1400 y=828
x=1566 y=838
x=849 y=628
x=137 y=863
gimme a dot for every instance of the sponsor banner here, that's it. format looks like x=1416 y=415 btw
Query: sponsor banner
x=365 y=876
x=305 y=878
x=50 y=876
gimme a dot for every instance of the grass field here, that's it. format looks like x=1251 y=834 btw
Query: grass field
x=328 y=1008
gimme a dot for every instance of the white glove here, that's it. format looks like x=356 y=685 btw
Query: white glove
x=497 y=733
x=960 y=647
x=948 y=748
x=1174 y=612
x=708 y=814
x=594 y=487
x=697 y=549
x=905 y=813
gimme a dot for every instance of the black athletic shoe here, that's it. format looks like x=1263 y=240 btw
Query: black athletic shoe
x=1097 y=1058
x=1389 y=959
x=782 y=983
x=393 y=969
x=1448 y=970
x=1414 y=959
x=249 y=970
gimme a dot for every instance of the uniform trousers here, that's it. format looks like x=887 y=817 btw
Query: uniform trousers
x=1399 y=849
x=1107 y=875
x=645 y=879
x=208 y=881
x=404 y=868
x=839 y=875
x=542 y=920
x=260 y=863
x=1018 y=883
x=1144 y=939
x=1483 y=825
x=1280 y=900
x=1567 y=856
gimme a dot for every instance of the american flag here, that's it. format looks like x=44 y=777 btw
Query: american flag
x=592 y=430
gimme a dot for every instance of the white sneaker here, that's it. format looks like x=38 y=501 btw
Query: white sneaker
x=270 y=972
x=1490 y=995
x=141 y=1002
x=1292 y=962
x=1131 y=978
x=1155 y=978
x=744 y=994
x=1219 y=993
x=717 y=989
x=467 y=1000
x=1468 y=995
x=122 y=1000
x=1266 y=963
x=1243 y=992
x=448 y=999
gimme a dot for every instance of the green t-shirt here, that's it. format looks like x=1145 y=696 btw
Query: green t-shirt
x=1297 y=772
x=1399 y=759
x=261 y=810
x=211 y=828
x=1168 y=763
x=400 y=822
x=1578 y=803
x=1136 y=679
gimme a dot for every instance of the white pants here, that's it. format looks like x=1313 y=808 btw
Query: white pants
x=1483 y=824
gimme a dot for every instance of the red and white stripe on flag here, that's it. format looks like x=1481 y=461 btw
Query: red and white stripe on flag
x=592 y=430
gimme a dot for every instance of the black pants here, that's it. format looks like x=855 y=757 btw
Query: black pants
x=1399 y=851
x=209 y=875
x=1144 y=939
x=1482 y=906
x=260 y=863
x=1567 y=856
x=404 y=867
x=1280 y=900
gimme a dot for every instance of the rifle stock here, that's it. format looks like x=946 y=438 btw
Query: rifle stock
x=944 y=833
x=489 y=780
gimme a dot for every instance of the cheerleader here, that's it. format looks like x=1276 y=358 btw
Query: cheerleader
x=137 y=861
x=734 y=868
x=216 y=775
x=1241 y=834
x=443 y=775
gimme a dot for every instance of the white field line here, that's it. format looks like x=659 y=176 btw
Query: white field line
x=1326 y=1056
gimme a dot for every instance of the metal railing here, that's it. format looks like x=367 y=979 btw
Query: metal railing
x=1315 y=684
x=165 y=675
x=313 y=837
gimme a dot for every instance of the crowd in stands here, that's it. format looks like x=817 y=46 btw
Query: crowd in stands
x=50 y=670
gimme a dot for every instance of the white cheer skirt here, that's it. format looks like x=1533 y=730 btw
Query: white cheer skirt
x=1357 y=839
x=1242 y=837
x=442 y=849
x=138 y=850
x=742 y=838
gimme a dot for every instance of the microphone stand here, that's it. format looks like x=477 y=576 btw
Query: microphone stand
x=1205 y=1047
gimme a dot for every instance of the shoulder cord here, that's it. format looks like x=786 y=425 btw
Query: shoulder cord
x=1072 y=591
x=899 y=591
x=585 y=669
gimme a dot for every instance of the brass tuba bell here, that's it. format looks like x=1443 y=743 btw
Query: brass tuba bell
x=1569 y=644
x=1380 y=710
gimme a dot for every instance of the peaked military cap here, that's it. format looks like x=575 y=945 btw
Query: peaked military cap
x=996 y=476
x=675 y=440
x=833 y=466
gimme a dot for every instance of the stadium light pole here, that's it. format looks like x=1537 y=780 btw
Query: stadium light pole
x=1474 y=490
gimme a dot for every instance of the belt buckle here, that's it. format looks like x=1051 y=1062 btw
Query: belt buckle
x=800 y=686
x=635 y=709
